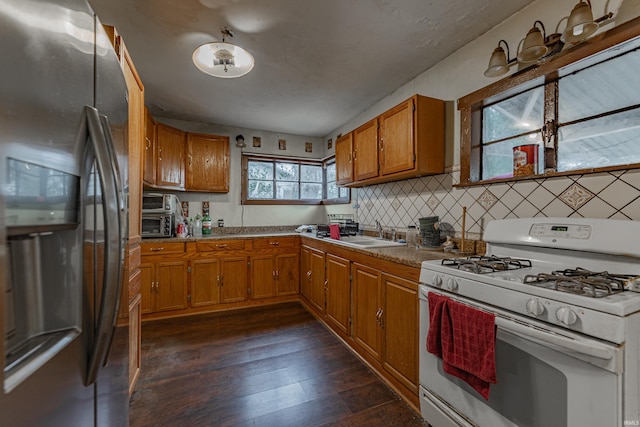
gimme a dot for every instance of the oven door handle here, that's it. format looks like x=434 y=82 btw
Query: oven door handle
x=592 y=349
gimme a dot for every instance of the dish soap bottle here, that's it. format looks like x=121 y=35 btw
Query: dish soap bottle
x=206 y=224
x=197 y=226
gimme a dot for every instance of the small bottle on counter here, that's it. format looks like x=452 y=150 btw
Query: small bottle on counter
x=190 y=226
x=206 y=224
x=197 y=226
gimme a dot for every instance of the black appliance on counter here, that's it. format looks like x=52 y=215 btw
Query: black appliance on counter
x=348 y=228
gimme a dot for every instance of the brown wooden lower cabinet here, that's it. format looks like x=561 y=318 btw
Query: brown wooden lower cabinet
x=163 y=285
x=367 y=308
x=274 y=275
x=338 y=293
x=218 y=280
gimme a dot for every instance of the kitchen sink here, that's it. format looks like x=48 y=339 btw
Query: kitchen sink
x=366 y=242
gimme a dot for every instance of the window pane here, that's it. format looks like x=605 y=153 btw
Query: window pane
x=286 y=190
x=287 y=171
x=311 y=191
x=260 y=170
x=344 y=193
x=332 y=190
x=310 y=173
x=607 y=141
x=260 y=189
x=497 y=159
x=513 y=116
x=331 y=172
x=601 y=88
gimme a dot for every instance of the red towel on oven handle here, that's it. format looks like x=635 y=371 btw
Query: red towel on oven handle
x=464 y=338
x=334 y=231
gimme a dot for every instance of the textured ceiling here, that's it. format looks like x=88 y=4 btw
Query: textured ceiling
x=318 y=62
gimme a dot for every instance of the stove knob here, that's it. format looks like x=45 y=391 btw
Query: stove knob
x=452 y=285
x=437 y=280
x=535 y=307
x=566 y=316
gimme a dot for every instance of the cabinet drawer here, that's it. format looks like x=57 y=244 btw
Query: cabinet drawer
x=162 y=248
x=274 y=242
x=221 y=245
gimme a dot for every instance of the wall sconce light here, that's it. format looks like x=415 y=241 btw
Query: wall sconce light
x=240 y=141
x=537 y=45
x=500 y=62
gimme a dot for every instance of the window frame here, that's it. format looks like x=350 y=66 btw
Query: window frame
x=246 y=157
x=546 y=74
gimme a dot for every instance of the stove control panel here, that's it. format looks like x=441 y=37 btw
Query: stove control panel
x=563 y=231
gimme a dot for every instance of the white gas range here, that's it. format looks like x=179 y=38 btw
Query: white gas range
x=566 y=296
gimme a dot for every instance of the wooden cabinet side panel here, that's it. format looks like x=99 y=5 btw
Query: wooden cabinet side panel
x=338 y=292
x=401 y=330
x=305 y=273
x=367 y=302
x=365 y=143
x=135 y=336
x=430 y=134
x=397 y=152
x=205 y=289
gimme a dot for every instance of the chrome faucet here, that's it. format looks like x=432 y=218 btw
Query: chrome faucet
x=379 y=228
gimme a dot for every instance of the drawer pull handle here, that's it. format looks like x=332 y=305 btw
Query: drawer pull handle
x=156 y=249
x=274 y=243
x=221 y=246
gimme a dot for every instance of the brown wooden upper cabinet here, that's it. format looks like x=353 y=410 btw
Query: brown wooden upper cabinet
x=149 y=153
x=207 y=163
x=170 y=149
x=405 y=142
x=344 y=159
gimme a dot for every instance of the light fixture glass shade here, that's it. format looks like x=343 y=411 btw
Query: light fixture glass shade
x=580 y=25
x=533 y=47
x=497 y=64
x=221 y=59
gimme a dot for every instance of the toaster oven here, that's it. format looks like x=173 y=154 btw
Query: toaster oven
x=159 y=203
x=158 y=225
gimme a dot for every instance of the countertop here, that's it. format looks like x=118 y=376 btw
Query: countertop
x=400 y=254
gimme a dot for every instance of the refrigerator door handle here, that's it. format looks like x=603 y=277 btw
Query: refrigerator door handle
x=111 y=204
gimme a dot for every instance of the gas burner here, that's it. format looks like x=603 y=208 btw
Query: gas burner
x=580 y=281
x=486 y=264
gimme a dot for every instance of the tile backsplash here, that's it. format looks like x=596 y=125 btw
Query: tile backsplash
x=614 y=195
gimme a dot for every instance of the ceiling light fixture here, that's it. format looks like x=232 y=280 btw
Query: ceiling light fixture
x=222 y=59
x=537 y=46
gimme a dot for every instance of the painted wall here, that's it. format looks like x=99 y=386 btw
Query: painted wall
x=605 y=195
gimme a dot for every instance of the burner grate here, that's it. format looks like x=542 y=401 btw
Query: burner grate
x=581 y=281
x=481 y=264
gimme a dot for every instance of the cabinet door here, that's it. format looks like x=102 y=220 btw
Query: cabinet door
x=397 y=151
x=365 y=151
x=205 y=282
x=344 y=159
x=170 y=157
x=208 y=163
x=400 y=320
x=234 y=279
x=338 y=292
x=147 y=288
x=149 y=164
x=287 y=274
x=263 y=275
x=171 y=288
x=305 y=276
x=367 y=309
x=316 y=264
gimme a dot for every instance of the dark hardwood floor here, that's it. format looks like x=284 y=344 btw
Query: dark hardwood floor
x=273 y=366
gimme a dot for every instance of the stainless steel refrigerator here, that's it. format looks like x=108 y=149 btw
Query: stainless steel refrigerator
x=63 y=198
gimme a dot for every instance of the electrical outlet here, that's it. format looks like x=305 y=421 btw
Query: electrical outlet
x=356 y=206
x=221 y=223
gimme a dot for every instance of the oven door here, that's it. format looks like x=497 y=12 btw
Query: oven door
x=546 y=377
